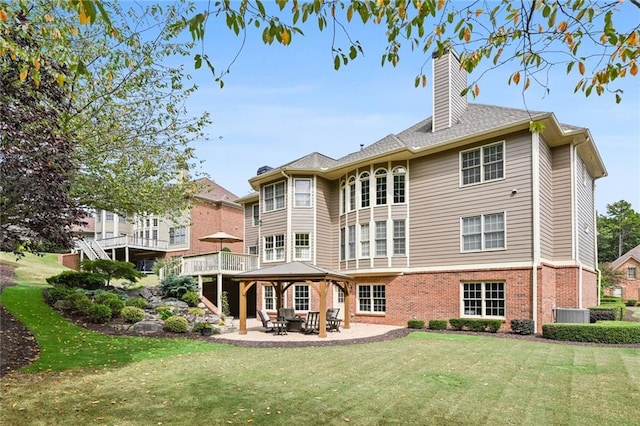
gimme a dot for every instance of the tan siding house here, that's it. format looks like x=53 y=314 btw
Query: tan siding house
x=464 y=214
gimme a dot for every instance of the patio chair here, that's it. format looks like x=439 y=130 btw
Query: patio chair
x=333 y=322
x=267 y=322
x=312 y=325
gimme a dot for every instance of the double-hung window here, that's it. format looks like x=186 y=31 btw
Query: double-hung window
x=269 y=295
x=302 y=250
x=255 y=214
x=365 y=189
x=364 y=240
x=274 y=247
x=632 y=273
x=381 y=238
x=177 y=235
x=483 y=232
x=343 y=244
x=274 y=196
x=381 y=187
x=372 y=298
x=352 y=241
x=483 y=299
x=399 y=174
x=352 y=193
x=399 y=238
x=482 y=164
x=301 y=297
x=302 y=189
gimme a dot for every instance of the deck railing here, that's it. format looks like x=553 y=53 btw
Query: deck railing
x=221 y=262
x=133 y=242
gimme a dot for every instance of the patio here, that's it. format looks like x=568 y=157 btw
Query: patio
x=256 y=335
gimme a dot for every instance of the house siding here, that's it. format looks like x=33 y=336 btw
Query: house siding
x=546 y=201
x=326 y=202
x=562 y=221
x=252 y=233
x=585 y=226
x=438 y=203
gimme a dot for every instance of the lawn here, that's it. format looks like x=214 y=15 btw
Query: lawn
x=425 y=378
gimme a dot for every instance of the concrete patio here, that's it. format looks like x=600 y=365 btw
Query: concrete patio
x=256 y=334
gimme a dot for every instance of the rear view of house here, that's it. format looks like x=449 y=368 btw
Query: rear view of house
x=465 y=214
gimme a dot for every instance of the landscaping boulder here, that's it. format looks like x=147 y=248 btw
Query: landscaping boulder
x=147 y=326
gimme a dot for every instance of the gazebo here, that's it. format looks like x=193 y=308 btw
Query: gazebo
x=284 y=276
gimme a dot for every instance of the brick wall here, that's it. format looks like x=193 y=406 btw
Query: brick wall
x=70 y=260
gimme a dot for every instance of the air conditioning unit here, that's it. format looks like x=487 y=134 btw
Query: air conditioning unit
x=572 y=315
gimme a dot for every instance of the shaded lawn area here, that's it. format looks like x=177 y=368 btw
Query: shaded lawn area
x=425 y=378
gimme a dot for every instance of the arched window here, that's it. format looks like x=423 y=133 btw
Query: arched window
x=381 y=186
x=365 y=185
x=399 y=174
x=343 y=197
x=352 y=193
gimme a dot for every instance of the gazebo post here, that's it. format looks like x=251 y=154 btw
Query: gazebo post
x=244 y=288
x=322 y=289
x=347 y=304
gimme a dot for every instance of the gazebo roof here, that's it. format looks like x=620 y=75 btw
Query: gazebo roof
x=292 y=272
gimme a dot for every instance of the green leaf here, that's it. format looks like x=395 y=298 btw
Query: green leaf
x=336 y=63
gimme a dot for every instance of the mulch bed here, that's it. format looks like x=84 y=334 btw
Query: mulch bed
x=19 y=347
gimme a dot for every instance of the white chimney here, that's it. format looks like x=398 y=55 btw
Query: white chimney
x=449 y=79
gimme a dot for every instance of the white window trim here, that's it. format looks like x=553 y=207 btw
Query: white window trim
x=371 y=312
x=295 y=199
x=294 y=298
x=482 y=232
x=274 y=249
x=295 y=246
x=253 y=215
x=482 y=303
x=274 y=185
x=482 y=180
x=399 y=171
x=264 y=297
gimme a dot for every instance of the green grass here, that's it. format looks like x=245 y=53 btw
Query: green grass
x=425 y=378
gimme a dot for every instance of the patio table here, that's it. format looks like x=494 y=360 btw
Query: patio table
x=280 y=326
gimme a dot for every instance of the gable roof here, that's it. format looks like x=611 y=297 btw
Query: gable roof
x=478 y=122
x=209 y=190
x=633 y=253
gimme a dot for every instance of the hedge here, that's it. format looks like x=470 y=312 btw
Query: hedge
x=473 y=324
x=619 y=309
x=437 y=324
x=415 y=323
x=613 y=332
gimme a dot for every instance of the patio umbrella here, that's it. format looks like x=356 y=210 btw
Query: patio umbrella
x=220 y=237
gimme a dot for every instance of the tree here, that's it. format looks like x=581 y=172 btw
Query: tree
x=112 y=269
x=36 y=160
x=610 y=277
x=618 y=231
x=115 y=107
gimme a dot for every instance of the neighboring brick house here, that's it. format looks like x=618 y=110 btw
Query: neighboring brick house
x=629 y=266
x=464 y=214
x=142 y=240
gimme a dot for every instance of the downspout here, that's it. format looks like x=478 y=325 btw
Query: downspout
x=595 y=242
x=575 y=216
x=535 y=188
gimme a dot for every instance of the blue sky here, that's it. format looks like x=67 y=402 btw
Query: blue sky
x=281 y=103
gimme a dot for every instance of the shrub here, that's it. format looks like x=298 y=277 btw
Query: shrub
x=522 y=326
x=178 y=285
x=415 y=323
x=596 y=315
x=164 y=312
x=74 y=279
x=612 y=332
x=191 y=298
x=618 y=309
x=631 y=302
x=473 y=324
x=138 y=302
x=610 y=299
x=111 y=300
x=53 y=294
x=132 y=314
x=80 y=303
x=438 y=324
x=176 y=324
x=99 y=314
